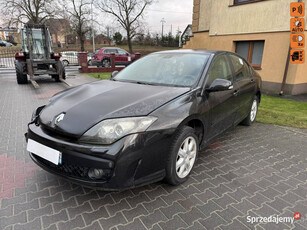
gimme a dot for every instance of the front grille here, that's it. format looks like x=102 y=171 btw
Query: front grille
x=70 y=170
x=58 y=134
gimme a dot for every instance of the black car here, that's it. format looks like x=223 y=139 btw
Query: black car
x=148 y=122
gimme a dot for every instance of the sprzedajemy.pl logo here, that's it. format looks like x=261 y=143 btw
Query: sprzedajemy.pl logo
x=273 y=219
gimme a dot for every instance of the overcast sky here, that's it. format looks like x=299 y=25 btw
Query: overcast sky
x=175 y=12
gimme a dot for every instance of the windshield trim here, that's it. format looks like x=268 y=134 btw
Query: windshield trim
x=149 y=83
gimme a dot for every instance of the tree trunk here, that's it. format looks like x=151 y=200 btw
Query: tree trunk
x=129 y=42
x=82 y=44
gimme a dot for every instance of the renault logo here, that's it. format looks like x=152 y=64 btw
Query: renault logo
x=59 y=118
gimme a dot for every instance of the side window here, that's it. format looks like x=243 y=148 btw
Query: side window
x=220 y=69
x=121 y=52
x=241 y=69
x=109 y=51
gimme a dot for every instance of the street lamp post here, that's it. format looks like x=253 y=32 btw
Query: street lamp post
x=162 y=21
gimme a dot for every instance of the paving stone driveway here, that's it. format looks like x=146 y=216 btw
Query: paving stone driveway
x=249 y=171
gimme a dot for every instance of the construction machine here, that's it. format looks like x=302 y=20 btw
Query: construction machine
x=37 y=56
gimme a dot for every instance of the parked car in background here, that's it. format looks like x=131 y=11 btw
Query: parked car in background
x=89 y=58
x=5 y=43
x=102 y=57
x=71 y=58
x=148 y=122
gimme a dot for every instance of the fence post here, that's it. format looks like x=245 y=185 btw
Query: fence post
x=113 y=60
x=137 y=56
x=82 y=59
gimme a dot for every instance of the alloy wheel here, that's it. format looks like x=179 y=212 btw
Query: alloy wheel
x=186 y=157
x=253 y=111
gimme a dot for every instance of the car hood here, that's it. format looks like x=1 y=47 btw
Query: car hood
x=87 y=105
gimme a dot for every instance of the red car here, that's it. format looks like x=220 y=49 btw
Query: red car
x=102 y=57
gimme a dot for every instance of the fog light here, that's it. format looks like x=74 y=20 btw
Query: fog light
x=95 y=173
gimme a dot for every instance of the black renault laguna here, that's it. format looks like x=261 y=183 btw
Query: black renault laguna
x=148 y=122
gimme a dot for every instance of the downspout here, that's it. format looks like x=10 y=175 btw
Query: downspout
x=283 y=84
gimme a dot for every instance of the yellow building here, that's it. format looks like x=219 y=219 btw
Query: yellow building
x=259 y=30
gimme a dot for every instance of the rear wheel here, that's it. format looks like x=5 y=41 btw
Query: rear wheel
x=21 y=77
x=251 y=117
x=57 y=77
x=182 y=156
x=106 y=63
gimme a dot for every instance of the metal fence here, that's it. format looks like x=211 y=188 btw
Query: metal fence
x=7 y=57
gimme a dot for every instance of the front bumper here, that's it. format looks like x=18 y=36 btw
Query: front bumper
x=132 y=161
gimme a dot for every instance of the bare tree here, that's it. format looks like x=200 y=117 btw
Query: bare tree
x=127 y=13
x=23 y=11
x=78 y=14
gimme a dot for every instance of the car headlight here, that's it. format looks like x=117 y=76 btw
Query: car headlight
x=111 y=130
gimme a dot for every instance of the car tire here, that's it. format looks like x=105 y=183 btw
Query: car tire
x=57 y=77
x=106 y=63
x=66 y=63
x=251 y=117
x=181 y=159
x=21 y=78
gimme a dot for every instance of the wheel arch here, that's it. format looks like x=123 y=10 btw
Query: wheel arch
x=258 y=94
x=197 y=124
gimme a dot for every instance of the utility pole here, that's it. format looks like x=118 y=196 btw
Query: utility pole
x=162 y=21
x=108 y=34
x=93 y=35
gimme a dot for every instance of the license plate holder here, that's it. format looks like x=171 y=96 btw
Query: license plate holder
x=45 y=152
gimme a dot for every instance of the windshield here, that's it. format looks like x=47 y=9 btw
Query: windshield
x=173 y=69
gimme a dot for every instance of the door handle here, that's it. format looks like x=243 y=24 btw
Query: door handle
x=235 y=93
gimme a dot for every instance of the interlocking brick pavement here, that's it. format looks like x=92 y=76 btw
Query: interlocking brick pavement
x=249 y=171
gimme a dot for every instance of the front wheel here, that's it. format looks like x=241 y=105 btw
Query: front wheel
x=183 y=153
x=20 y=76
x=66 y=63
x=251 y=117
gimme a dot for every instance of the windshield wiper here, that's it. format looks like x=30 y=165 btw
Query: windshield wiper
x=145 y=83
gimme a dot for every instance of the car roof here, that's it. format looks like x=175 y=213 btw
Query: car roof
x=195 y=51
x=110 y=48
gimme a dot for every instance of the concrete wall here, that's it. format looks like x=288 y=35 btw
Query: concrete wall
x=222 y=17
x=205 y=14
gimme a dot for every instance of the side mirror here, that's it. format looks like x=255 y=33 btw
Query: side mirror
x=114 y=74
x=220 y=85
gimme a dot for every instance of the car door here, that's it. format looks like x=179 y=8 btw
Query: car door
x=243 y=78
x=222 y=106
x=123 y=56
x=117 y=59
